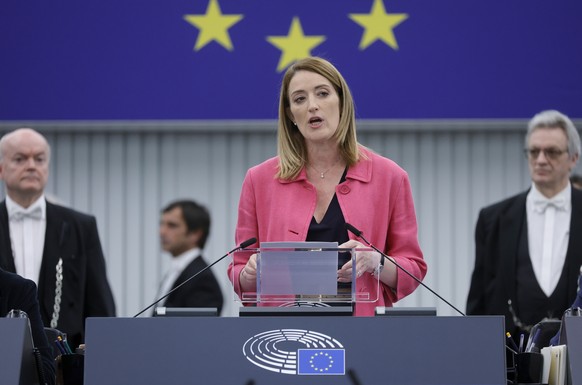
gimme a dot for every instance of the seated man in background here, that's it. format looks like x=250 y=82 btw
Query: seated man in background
x=184 y=228
x=17 y=293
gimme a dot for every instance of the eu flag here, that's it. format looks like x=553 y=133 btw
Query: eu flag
x=321 y=362
x=224 y=59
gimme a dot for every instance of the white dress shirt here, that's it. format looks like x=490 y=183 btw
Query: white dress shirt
x=177 y=266
x=548 y=232
x=27 y=232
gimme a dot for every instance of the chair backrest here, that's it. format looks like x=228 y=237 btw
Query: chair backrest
x=52 y=335
x=543 y=331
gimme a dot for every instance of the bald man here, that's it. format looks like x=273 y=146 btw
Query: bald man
x=54 y=246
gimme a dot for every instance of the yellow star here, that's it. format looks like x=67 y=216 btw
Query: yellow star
x=295 y=45
x=213 y=26
x=378 y=25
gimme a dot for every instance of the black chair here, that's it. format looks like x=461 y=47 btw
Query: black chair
x=542 y=333
x=52 y=335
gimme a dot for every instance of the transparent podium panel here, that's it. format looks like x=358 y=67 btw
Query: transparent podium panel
x=306 y=274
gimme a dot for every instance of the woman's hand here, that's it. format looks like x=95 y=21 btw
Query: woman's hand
x=248 y=275
x=366 y=262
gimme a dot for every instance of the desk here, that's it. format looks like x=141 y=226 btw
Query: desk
x=230 y=351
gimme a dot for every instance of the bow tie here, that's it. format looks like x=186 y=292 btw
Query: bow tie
x=20 y=214
x=541 y=204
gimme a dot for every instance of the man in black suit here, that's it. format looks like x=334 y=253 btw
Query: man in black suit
x=17 y=293
x=184 y=228
x=528 y=247
x=56 y=247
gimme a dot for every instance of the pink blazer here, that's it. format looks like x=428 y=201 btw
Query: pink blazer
x=376 y=198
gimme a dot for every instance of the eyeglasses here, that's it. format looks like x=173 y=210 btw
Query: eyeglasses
x=549 y=153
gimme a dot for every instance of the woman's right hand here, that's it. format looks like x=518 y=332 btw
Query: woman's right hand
x=248 y=275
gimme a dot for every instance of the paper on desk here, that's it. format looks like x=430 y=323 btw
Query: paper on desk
x=556 y=364
x=547 y=354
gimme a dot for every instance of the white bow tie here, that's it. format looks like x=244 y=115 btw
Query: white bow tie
x=541 y=204
x=32 y=213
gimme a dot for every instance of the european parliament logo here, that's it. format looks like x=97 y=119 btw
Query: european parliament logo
x=296 y=352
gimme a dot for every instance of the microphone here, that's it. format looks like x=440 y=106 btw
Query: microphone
x=243 y=245
x=359 y=234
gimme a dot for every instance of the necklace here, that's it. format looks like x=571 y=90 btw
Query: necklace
x=322 y=173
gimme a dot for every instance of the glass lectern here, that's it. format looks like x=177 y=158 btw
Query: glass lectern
x=291 y=274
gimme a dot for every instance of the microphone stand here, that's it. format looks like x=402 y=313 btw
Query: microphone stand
x=359 y=234
x=243 y=245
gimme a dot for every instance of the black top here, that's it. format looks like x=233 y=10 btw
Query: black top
x=332 y=228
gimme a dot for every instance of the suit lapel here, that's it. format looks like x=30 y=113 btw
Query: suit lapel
x=511 y=223
x=193 y=267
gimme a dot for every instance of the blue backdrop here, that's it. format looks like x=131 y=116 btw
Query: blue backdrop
x=223 y=59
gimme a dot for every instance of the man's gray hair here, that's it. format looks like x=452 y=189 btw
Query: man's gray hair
x=552 y=119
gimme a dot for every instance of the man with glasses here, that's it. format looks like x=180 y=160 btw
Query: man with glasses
x=528 y=247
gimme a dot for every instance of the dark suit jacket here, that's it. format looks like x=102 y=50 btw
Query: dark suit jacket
x=202 y=291
x=497 y=237
x=72 y=236
x=20 y=294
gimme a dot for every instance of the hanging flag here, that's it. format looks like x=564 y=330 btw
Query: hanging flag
x=224 y=59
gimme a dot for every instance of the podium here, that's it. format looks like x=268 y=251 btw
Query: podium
x=17 y=365
x=296 y=350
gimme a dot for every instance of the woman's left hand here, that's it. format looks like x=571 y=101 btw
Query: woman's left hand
x=366 y=262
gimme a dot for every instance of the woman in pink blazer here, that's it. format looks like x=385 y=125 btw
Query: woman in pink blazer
x=322 y=179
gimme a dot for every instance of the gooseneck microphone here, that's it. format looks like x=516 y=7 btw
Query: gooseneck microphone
x=243 y=245
x=359 y=234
